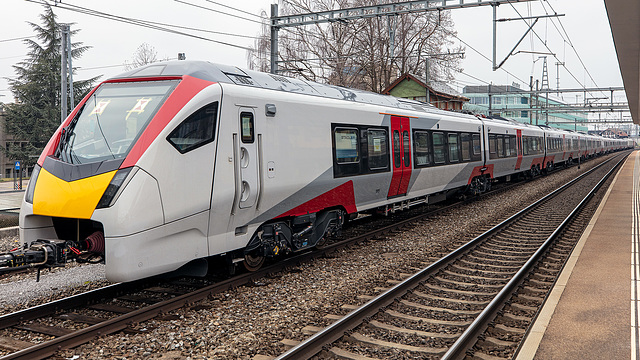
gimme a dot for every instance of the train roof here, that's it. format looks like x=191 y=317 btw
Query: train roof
x=234 y=75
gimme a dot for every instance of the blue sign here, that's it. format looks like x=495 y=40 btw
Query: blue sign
x=17 y=165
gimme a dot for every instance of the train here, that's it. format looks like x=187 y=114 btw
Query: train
x=172 y=165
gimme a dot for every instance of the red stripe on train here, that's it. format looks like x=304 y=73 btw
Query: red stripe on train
x=342 y=195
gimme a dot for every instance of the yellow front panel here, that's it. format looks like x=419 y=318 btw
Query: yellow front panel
x=75 y=199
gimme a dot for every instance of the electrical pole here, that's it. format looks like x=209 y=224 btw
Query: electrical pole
x=372 y=11
x=66 y=72
x=63 y=73
x=274 y=40
x=70 y=72
x=531 y=100
x=558 y=64
x=426 y=78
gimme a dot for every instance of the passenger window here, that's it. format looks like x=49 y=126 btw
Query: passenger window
x=246 y=125
x=454 y=153
x=406 y=144
x=476 y=147
x=196 y=130
x=346 y=146
x=378 y=149
x=422 y=144
x=397 y=157
x=492 y=147
x=439 y=149
x=465 y=141
x=500 y=146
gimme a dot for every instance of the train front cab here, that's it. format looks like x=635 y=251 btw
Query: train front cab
x=134 y=161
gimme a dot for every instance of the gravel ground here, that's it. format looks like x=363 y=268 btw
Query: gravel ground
x=14 y=293
x=252 y=320
x=21 y=290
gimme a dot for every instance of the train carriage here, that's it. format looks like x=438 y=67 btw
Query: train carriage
x=170 y=164
x=555 y=154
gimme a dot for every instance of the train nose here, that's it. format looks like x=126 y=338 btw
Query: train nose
x=53 y=196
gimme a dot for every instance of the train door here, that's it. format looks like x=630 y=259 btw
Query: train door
x=401 y=143
x=519 y=146
x=247 y=164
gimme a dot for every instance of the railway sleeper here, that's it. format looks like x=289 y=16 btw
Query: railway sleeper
x=469 y=284
x=400 y=315
x=492 y=341
x=504 y=329
x=439 y=309
x=452 y=300
x=380 y=325
x=360 y=338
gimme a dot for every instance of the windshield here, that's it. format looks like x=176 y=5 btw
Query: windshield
x=111 y=120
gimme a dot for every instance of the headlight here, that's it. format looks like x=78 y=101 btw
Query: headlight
x=112 y=189
x=28 y=196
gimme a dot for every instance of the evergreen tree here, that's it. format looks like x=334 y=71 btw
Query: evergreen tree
x=35 y=115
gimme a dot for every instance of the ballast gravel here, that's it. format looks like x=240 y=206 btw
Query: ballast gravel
x=22 y=290
x=250 y=321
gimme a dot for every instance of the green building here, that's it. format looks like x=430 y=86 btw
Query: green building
x=512 y=103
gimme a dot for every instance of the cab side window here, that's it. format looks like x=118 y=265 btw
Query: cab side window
x=196 y=130
x=246 y=127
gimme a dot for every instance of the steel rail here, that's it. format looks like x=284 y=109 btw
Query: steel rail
x=71 y=302
x=314 y=344
x=470 y=336
x=118 y=323
x=48 y=348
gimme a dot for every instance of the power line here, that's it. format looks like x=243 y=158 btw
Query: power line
x=217 y=11
x=547 y=46
x=201 y=30
x=232 y=8
x=132 y=21
x=18 y=38
x=568 y=40
x=10 y=57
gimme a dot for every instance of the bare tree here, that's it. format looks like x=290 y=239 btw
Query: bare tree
x=358 y=53
x=144 y=54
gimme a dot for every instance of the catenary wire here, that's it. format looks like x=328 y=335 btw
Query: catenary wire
x=232 y=8
x=217 y=11
x=141 y=23
x=568 y=40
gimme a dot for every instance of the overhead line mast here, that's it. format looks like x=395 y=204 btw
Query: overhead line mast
x=406 y=7
x=66 y=72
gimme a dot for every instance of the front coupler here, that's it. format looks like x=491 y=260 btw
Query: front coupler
x=44 y=253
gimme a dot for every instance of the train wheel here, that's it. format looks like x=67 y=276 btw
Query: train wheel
x=321 y=243
x=253 y=262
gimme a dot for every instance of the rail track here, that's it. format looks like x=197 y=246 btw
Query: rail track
x=476 y=302
x=72 y=321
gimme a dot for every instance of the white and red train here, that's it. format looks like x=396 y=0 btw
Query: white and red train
x=176 y=162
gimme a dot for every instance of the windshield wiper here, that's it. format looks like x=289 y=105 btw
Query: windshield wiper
x=66 y=134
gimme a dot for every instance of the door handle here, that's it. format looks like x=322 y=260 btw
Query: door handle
x=236 y=176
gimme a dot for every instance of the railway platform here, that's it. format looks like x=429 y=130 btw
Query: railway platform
x=593 y=312
x=11 y=199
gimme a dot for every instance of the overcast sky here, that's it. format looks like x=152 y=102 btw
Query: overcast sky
x=584 y=28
